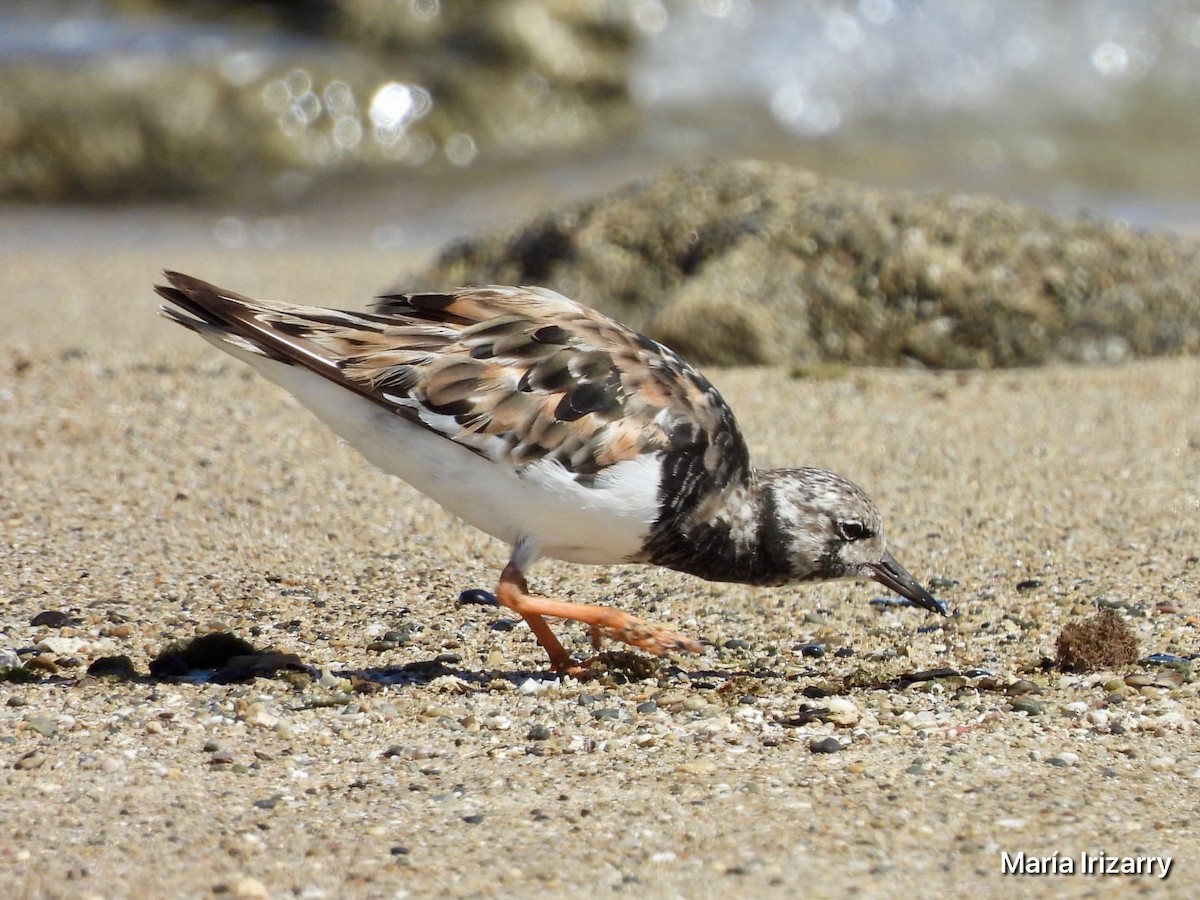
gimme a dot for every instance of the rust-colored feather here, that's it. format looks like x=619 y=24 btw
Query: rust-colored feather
x=514 y=374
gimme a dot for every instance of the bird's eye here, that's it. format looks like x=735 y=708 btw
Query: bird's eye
x=852 y=530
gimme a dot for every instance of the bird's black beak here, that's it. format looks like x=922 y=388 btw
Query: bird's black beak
x=892 y=575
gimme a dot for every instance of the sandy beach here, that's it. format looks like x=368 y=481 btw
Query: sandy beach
x=154 y=490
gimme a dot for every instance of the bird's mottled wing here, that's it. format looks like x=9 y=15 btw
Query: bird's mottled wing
x=529 y=374
x=514 y=374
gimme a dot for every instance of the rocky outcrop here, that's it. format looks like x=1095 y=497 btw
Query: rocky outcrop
x=756 y=263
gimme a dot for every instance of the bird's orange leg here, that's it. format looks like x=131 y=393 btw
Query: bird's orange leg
x=513 y=593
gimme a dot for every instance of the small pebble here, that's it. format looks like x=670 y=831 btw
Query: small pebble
x=117 y=667
x=1029 y=584
x=1028 y=706
x=825 y=745
x=648 y=706
x=737 y=644
x=52 y=618
x=31 y=760
x=539 y=732
x=1021 y=687
x=841 y=711
x=250 y=889
x=477 y=596
x=814 y=651
x=473 y=819
x=843 y=652
x=43 y=663
x=44 y=725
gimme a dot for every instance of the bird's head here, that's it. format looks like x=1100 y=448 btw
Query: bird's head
x=835 y=531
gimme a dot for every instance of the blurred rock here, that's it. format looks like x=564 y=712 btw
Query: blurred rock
x=276 y=94
x=758 y=263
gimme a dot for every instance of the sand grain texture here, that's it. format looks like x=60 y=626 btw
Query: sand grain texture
x=155 y=490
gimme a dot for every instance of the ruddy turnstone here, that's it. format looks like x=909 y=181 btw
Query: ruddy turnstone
x=562 y=433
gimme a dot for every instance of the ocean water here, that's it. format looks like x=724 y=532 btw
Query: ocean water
x=1076 y=105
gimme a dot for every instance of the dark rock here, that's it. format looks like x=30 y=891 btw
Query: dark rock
x=118 y=667
x=1028 y=705
x=477 y=596
x=53 y=618
x=825 y=745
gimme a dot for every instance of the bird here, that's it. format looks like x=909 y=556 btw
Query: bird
x=561 y=432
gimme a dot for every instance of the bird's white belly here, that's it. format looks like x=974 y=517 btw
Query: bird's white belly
x=604 y=523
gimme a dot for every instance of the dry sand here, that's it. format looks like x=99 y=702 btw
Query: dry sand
x=155 y=490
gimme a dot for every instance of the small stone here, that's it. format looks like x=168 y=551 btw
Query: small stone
x=478 y=597
x=1021 y=687
x=221 y=758
x=9 y=659
x=813 y=651
x=844 y=652
x=474 y=819
x=43 y=663
x=531 y=687
x=825 y=745
x=606 y=712
x=737 y=644
x=539 y=732
x=119 y=668
x=266 y=803
x=647 y=706
x=250 y=889
x=1028 y=584
x=31 y=760
x=52 y=618
x=62 y=646
x=1028 y=705
x=1168 y=678
x=841 y=711
x=44 y=725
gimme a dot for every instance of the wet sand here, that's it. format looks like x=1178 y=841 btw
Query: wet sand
x=155 y=490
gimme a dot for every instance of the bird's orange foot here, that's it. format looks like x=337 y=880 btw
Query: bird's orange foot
x=643 y=635
x=513 y=593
